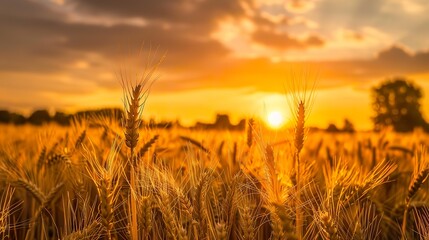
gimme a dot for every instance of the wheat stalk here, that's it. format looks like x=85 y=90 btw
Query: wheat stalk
x=299 y=144
x=329 y=227
x=5 y=211
x=105 y=177
x=416 y=184
x=421 y=216
x=247 y=224
x=200 y=203
x=420 y=174
x=50 y=197
x=106 y=196
x=221 y=231
x=79 y=140
x=89 y=232
x=195 y=143
x=299 y=129
x=147 y=146
x=275 y=187
x=146 y=216
x=277 y=232
x=135 y=96
x=31 y=187
x=55 y=159
x=41 y=158
x=300 y=104
x=250 y=126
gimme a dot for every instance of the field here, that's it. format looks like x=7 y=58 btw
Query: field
x=92 y=181
x=214 y=120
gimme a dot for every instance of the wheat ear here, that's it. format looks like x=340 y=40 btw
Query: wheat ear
x=247 y=224
x=329 y=227
x=147 y=146
x=89 y=232
x=32 y=188
x=420 y=174
x=299 y=144
x=106 y=205
x=250 y=127
x=50 y=197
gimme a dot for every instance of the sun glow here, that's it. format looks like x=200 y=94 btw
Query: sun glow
x=275 y=119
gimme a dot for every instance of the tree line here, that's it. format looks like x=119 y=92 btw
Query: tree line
x=396 y=104
x=40 y=117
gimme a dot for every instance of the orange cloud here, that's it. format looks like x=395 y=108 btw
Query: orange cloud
x=299 y=6
x=283 y=41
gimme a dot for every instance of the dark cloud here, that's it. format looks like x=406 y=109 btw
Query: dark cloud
x=196 y=14
x=45 y=42
x=284 y=41
x=28 y=42
x=160 y=9
x=41 y=49
x=394 y=61
x=112 y=41
x=28 y=10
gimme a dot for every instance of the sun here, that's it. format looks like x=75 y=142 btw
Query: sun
x=275 y=119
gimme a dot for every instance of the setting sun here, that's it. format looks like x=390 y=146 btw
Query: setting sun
x=275 y=119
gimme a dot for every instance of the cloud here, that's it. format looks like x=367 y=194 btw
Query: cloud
x=283 y=41
x=407 y=6
x=358 y=42
x=391 y=62
x=353 y=36
x=192 y=13
x=261 y=74
x=398 y=60
x=47 y=42
x=75 y=47
x=299 y=6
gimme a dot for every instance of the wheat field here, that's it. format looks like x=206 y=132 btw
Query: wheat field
x=102 y=178
x=214 y=119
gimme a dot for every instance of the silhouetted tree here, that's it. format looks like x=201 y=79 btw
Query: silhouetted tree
x=10 y=117
x=348 y=126
x=62 y=118
x=5 y=116
x=396 y=103
x=39 y=117
x=17 y=119
x=332 y=128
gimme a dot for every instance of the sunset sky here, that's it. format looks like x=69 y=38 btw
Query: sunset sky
x=227 y=56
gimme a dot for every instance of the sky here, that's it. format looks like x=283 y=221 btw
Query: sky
x=229 y=56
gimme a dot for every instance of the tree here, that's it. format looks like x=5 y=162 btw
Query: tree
x=332 y=128
x=5 y=116
x=62 y=118
x=39 y=117
x=348 y=126
x=396 y=103
x=9 y=117
x=17 y=119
